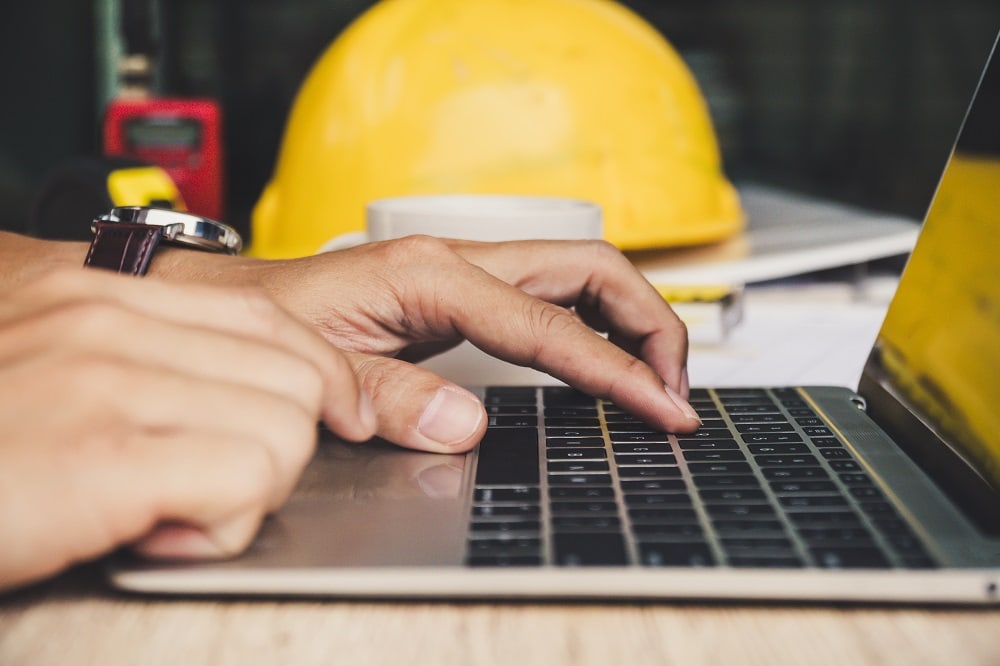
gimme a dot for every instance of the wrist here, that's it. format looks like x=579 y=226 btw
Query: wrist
x=23 y=259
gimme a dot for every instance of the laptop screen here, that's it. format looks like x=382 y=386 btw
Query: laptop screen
x=938 y=352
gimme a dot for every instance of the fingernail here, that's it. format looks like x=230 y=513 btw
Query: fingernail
x=366 y=412
x=179 y=542
x=441 y=481
x=682 y=404
x=451 y=417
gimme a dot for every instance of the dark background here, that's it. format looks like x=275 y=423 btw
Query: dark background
x=854 y=100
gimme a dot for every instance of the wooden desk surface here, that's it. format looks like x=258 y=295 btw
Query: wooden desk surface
x=77 y=620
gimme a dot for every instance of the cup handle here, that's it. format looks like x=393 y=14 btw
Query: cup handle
x=344 y=241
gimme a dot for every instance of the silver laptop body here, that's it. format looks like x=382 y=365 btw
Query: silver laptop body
x=887 y=494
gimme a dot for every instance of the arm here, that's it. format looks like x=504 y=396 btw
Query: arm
x=533 y=303
x=168 y=417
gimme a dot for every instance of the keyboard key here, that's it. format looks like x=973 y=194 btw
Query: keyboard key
x=845 y=466
x=782 y=487
x=509 y=546
x=817 y=431
x=769 y=449
x=835 y=535
x=826 y=442
x=707 y=444
x=737 y=410
x=508 y=456
x=849 y=558
x=572 y=422
x=574 y=442
x=667 y=531
x=565 y=396
x=654 y=484
x=576 y=454
x=581 y=492
x=764 y=427
x=513 y=421
x=505 y=511
x=747 y=527
x=518 y=395
x=809 y=421
x=713 y=456
x=504 y=561
x=756 y=562
x=586 y=523
x=758 y=418
x=835 y=454
x=740 y=510
x=658 y=499
x=644 y=459
x=663 y=515
x=707 y=433
x=805 y=519
x=522 y=495
x=520 y=410
x=794 y=473
x=773 y=438
x=799 y=412
x=675 y=555
x=641 y=448
x=629 y=426
x=811 y=501
x=532 y=526
x=579 y=479
x=589 y=549
x=587 y=507
x=577 y=466
x=719 y=468
x=639 y=437
x=726 y=481
x=570 y=412
x=733 y=495
x=648 y=471
x=572 y=432
x=790 y=460
x=866 y=493
x=856 y=479
x=747 y=545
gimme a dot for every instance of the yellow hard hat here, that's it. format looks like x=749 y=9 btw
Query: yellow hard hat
x=574 y=98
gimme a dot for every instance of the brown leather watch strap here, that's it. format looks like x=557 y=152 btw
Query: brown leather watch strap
x=123 y=248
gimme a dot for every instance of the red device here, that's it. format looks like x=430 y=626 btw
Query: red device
x=183 y=136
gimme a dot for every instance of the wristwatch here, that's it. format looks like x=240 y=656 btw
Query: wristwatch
x=126 y=238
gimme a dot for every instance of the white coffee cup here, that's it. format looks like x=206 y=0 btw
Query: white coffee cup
x=482 y=217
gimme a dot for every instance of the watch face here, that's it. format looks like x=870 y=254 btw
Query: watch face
x=182 y=228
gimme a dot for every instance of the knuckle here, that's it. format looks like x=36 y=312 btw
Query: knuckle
x=91 y=320
x=62 y=281
x=265 y=316
x=420 y=249
x=604 y=251
x=95 y=376
x=547 y=323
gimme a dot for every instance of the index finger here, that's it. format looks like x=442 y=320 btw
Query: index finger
x=510 y=324
x=597 y=275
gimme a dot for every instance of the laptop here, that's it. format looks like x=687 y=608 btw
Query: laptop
x=890 y=493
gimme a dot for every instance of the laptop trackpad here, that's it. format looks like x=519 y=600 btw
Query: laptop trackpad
x=371 y=504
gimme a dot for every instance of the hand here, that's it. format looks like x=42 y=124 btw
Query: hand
x=167 y=417
x=396 y=301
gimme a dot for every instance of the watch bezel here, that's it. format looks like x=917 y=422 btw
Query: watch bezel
x=180 y=227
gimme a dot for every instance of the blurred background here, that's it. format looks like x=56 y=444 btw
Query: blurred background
x=852 y=100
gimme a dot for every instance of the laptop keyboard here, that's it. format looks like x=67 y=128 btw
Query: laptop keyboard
x=567 y=480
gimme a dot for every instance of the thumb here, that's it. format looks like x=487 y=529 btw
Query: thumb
x=418 y=409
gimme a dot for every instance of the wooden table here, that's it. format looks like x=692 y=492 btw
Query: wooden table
x=75 y=619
